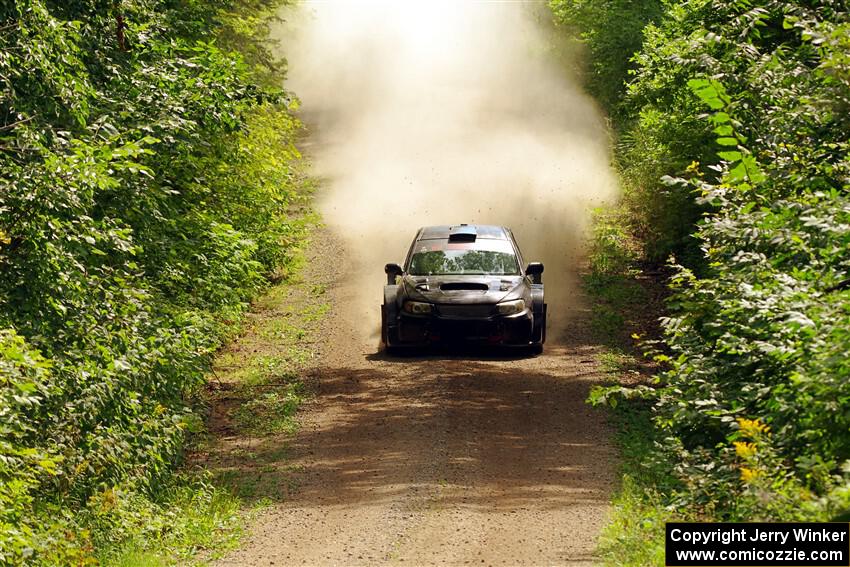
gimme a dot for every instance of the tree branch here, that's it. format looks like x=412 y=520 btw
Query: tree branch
x=13 y=124
x=119 y=27
x=840 y=286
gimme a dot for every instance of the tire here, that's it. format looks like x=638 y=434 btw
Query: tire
x=536 y=349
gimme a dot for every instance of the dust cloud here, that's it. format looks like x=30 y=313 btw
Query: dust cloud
x=443 y=113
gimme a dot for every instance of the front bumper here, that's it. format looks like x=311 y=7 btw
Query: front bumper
x=512 y=330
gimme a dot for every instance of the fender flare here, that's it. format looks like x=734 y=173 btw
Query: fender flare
x=391 y=303
x=538 y=308
x=389 y=318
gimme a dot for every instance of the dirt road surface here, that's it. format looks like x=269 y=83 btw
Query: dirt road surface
x=440 y=458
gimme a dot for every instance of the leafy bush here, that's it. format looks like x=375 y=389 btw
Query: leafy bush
x=760 y=338
x=612 y=30
x=148 y=168
x=656 y=124
x=738 y=111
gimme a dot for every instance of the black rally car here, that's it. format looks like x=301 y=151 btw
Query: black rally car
x=464 y=283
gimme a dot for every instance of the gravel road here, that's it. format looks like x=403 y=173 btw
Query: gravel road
x=440 y=458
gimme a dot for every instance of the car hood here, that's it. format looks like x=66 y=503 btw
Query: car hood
x=464 y=289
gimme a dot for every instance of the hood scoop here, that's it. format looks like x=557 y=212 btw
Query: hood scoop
x=464 y=286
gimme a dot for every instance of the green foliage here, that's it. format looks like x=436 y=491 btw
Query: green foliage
x=148 y=168
x=761 y=337
x=612 y=31
x=186 y=515
x=270 y=412
x=635 y=534
x=612 y=257
x=656 y=128
x=612 y=251
x=24 y=384
x=739 y=111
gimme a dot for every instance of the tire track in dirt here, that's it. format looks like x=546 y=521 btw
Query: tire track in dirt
x=441 y=458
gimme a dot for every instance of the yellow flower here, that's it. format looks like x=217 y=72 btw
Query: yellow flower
x=107 y=501
x=752 y=427
x=745 y=450
x=748 y=475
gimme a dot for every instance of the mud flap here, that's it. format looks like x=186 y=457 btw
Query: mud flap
x=538 y=307
x=389 y=317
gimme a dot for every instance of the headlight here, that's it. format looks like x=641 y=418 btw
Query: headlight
x=511 y=307
x=418 y=308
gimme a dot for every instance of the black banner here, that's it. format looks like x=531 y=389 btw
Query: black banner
x=758 y=544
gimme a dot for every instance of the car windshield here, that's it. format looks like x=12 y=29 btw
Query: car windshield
x=442 y=258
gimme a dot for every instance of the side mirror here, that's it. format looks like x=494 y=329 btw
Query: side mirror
x=392 y=271
x=535 y=271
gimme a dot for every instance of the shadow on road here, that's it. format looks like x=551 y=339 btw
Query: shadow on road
x=451 y=352
x=488 y=433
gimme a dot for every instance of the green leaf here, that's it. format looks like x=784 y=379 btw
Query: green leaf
x=730 y=156
x=716 y=104
x=738 y=173
x=26 y=387
x=697 y=84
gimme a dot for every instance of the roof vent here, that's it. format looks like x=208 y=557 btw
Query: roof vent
x=462 y=233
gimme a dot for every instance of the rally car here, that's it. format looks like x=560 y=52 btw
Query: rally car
x=464 y=283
